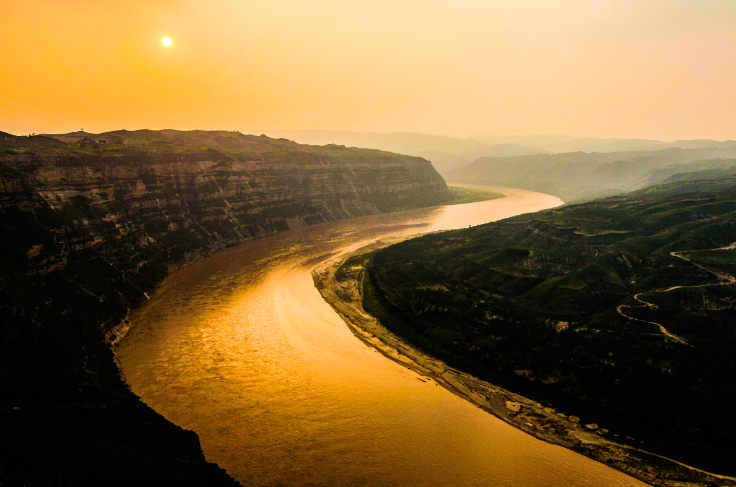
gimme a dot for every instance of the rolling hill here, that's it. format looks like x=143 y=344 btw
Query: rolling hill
x=619 y=310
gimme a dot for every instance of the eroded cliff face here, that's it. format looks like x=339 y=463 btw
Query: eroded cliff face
x=88 y=231
x=181 y=208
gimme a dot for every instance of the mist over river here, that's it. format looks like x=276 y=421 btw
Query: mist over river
x=241 y=348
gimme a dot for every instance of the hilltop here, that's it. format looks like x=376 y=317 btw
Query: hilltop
x=618 y=311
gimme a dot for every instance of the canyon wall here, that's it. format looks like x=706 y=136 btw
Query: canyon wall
x=178 y=210
x=89 y=229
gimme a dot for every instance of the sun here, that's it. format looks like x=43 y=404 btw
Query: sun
x=166 y=41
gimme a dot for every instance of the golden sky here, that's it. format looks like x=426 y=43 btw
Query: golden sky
x=661 y=69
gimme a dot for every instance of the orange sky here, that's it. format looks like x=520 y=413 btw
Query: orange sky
x=661 y=69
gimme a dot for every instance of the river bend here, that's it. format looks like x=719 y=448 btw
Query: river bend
x=241 y=348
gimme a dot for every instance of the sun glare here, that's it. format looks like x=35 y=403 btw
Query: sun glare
x=166 y=41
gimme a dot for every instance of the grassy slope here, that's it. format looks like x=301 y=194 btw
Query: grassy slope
x=468 y=195
x=530 y=304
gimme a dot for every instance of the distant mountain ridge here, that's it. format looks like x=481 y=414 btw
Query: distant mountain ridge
x=574 y=168
x=695 y=170
x=445 y=153
x=578 y=176
x=450 y=153
x=564 y=143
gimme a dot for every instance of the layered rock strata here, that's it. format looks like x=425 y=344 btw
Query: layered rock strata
x=90 y=228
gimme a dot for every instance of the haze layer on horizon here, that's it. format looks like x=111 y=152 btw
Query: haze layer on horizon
x=658 y=69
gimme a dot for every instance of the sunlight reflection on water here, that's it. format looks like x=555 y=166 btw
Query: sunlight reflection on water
x=241 y=348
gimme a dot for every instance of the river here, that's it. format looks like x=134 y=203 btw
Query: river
x=241 y=348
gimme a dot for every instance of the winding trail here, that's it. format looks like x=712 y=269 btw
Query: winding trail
x=645 y=304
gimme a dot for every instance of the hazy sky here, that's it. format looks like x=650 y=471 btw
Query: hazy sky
x=662 y=69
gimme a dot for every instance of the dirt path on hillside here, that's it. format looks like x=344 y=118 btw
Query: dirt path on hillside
x=545 y=423
x=645 y=304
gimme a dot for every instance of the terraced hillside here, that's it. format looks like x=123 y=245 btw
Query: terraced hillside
x=621 y=311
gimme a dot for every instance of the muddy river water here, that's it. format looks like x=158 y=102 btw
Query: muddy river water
x=241 y=348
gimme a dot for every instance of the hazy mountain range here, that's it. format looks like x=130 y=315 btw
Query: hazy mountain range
x=565 y=143
x=445 y=153
x=578 y=176
x=573 y=168
x=449 y=153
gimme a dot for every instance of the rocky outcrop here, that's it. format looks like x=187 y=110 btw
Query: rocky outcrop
x=89 y=230
x=183 y=208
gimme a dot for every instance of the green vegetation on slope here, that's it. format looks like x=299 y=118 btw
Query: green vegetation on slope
x=196 y=145
x=469 y=195
x=544 y=304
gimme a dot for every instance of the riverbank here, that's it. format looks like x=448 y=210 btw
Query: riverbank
x=466 y=194
x=342 y=287
x=243 y=342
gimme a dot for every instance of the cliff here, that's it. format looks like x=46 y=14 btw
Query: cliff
x=91 y=224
